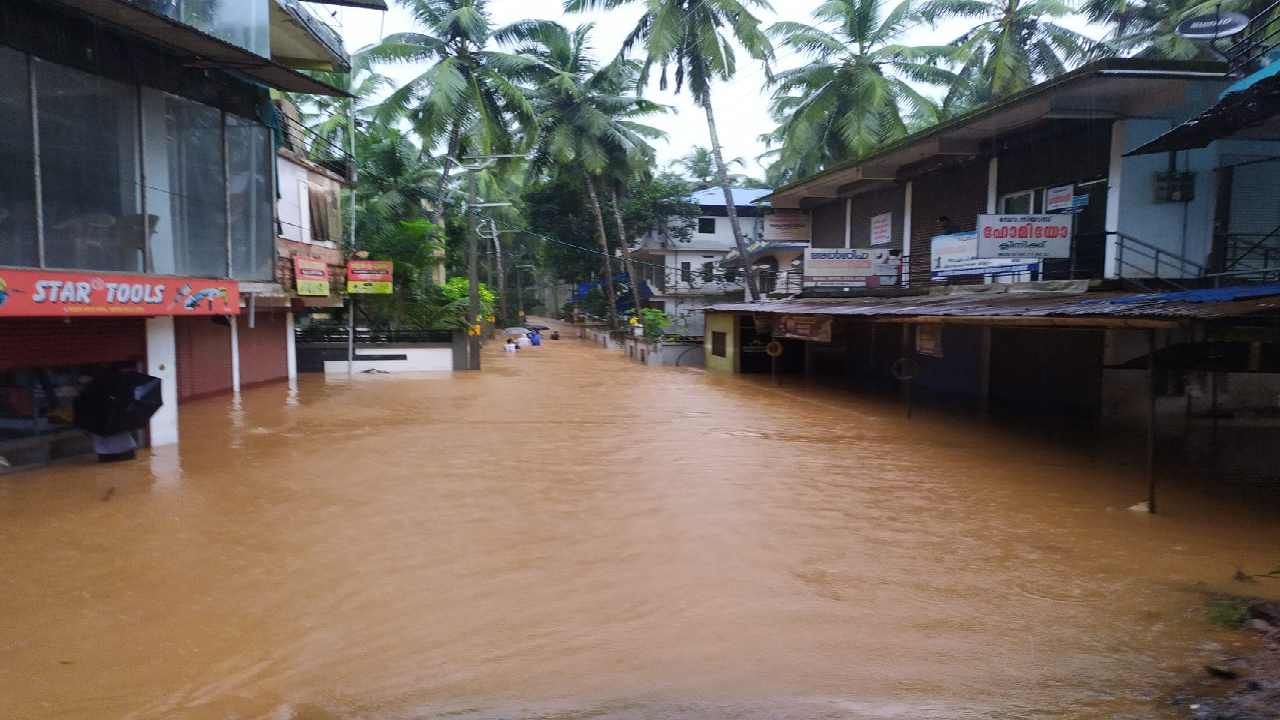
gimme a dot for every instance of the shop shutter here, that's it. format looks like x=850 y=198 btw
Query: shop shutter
x=204 y=357
x=53 y=342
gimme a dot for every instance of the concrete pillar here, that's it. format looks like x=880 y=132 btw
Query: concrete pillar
x=291 y=348
x=162 y=362
x=984 y=370
x=1115 y=176
x=993 y=184
x=235 y=353
x=906 y=236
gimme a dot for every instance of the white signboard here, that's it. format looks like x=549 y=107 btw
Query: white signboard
x=1059 y=198
x=1024 y=236
x=882 y=229
x=849 y=267
x=957 y=254
x=788 y=226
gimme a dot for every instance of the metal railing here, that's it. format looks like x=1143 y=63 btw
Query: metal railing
x=1260 y=37
x=365 y=336
x=1150 y=260
x=1256 y=247
x=1245 y=277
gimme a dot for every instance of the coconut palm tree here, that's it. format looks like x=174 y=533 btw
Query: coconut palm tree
x=860 y=86
x=1014 y=45
x=587 y=122
x=470 y=92
x=692 y=42
x=699 y=166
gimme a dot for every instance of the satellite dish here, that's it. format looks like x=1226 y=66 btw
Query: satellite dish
x=1212 y=27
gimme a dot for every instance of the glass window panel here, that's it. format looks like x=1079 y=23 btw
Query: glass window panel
x=253 y=248
x=18 y=242
x=88 y=170
x=244 y=23
x=186 y=187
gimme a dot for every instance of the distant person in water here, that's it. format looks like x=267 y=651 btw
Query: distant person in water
x=510 y=346
x=535 y=338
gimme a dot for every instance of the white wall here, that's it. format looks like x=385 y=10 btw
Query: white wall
x=417 y=360
x=1182 y=229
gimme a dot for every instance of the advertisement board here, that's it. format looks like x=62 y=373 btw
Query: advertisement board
x=369 y=277
x=882 y=229
x=310 y=277
x=957 y=254
x=53 y=293
x=1059 y=198
x=1024 y=236
x=785 y=225
x=816 y=328
x=849 y=267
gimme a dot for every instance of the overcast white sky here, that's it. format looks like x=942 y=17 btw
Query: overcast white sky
x=741 y=105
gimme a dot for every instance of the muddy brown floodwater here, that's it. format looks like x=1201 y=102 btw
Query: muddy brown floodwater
x=569 y=535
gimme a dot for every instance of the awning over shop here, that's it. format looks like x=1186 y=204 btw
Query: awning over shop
x=208 y=50
x=1047 y=304
x=1248 y=103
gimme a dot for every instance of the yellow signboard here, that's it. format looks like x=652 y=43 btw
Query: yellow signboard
x=311 y=277
x=369 y=277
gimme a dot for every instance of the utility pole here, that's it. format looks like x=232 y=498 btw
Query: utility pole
x=351 y=312
x=473 y=279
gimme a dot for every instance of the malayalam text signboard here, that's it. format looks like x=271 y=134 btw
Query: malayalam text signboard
x=882 y=229
x=957 y=254
x=849 y=267
x=310 y=277
x=803 y=327
x=788 y=226
x=53 y=293
x=369 y=277
x=1024 y=236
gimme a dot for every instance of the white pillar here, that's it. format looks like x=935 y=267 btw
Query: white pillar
x=993 y=178
x=291 y=348
x=162 y=362
x=906 y=236
x=1114 y=180
x=235 y=353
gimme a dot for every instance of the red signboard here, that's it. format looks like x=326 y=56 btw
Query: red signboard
x=54 y=293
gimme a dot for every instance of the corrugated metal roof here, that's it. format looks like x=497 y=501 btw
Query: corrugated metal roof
x=742 y=197
x=994 y=301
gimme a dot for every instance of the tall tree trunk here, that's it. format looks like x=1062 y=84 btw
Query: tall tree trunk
x=722 y=179
x=625 y=241
x=609 y=295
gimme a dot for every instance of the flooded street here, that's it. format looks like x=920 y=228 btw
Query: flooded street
x=569 y=535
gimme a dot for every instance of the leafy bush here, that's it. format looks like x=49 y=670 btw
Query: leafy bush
x=654 y=322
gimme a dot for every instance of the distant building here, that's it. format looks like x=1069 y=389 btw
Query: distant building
x=686 y=276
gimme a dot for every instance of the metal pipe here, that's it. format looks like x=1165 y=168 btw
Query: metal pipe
x=1151 y=422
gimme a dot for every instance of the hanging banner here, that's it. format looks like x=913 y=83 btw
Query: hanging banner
x=310 y=277
x=957 y=254
x=792 y=226
x=1024 y=236
x=51 y=293
x=882 y=229
x=1057 y=199
x=849 y=267
x=816 y=328
x=369 y=277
